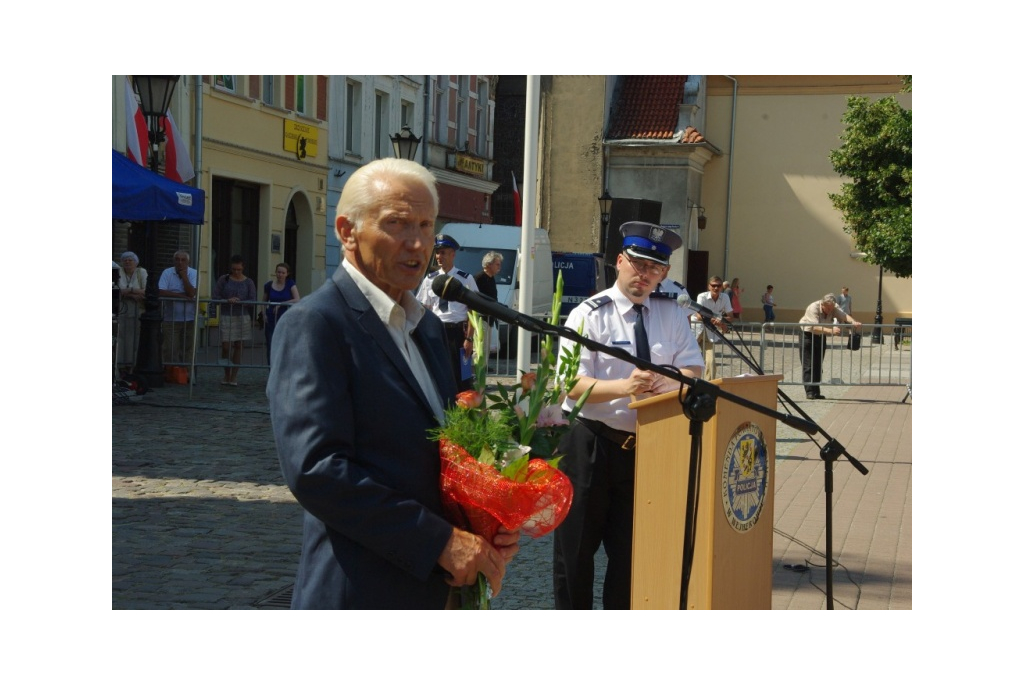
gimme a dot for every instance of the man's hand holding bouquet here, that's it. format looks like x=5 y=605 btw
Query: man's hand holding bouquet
x=498 y=450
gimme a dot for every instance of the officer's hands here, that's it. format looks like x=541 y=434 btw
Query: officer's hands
x=639 y=381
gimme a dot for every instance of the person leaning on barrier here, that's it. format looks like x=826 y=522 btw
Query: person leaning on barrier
x=721 y=304
x=279 y=292
x=817 y=324
x=178 y=283
x=358 y=377
x=234 y=320
x=132 y=285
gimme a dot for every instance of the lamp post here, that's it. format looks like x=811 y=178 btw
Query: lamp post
x=605 y=203
x=876 y=334
x=154 y=99
x=405 y=143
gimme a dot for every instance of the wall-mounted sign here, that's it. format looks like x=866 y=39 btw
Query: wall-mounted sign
x=470 y=165
x=300 y=139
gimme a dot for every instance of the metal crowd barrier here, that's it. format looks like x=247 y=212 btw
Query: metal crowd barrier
x=776 y=349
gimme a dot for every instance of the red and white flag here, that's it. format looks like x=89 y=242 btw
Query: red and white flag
x=138 y=134
x=178 y=165
x=517 y=202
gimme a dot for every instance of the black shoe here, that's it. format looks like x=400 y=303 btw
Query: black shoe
x=815 y=396
x=819 y=396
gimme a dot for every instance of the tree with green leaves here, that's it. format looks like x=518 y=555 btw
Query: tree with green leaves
x=877 y=155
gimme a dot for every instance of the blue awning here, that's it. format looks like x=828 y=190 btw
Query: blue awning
x=141 y=195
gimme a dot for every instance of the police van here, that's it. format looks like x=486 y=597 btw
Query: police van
x=583 y=276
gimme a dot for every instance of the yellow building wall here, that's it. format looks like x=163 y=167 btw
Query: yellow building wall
x=244 y=140
x=782 y=227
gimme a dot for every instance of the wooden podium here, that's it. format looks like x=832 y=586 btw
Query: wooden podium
x=732 y=564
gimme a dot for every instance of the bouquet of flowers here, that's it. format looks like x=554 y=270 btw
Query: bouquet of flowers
x=498 y=461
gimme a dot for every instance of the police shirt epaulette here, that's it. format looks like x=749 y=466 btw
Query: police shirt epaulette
x=598 y=301
x=464 y=274
x=433 y=274
x=662 y=295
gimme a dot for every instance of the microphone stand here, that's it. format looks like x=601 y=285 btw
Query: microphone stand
x=698 y=406
x=830 y=452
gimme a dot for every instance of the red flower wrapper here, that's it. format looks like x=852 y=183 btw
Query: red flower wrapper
x=478 y=498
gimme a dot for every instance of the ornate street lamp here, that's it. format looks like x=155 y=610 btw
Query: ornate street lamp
x=155 y=98
x=605 y=203
x=876 y=334
x=405 y=143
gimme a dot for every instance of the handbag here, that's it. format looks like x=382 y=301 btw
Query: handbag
x=854 y=342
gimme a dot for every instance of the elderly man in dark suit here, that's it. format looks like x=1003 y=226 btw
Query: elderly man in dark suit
x=359 y=374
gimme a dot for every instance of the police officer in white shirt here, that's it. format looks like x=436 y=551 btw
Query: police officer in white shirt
x=454 y=315
x=599 y=448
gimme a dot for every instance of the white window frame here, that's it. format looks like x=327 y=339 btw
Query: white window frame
x=353 y=117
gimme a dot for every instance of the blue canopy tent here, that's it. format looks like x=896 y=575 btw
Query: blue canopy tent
x=141 y=195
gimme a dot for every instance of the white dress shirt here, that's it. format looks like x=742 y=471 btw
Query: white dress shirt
x=671 y=342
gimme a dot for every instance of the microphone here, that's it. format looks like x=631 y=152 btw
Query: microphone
x=450 y=288
x=685 y=302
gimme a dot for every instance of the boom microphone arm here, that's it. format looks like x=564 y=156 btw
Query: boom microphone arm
x=449 y=288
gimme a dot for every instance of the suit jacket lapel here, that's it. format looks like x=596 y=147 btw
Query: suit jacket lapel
x=378 y=332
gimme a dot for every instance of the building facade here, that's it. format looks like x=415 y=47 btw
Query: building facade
x=749 y=154
x=262 y=160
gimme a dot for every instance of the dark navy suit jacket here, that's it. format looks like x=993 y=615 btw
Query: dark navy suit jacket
x=350 y=422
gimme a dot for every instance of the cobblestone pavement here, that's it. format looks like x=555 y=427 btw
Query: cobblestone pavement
x=202 y=520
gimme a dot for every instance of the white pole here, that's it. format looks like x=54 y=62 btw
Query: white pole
x=526 y=243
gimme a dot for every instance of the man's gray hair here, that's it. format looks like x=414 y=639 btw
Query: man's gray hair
x=490 y=257
x=830 y=298
x=359 y=196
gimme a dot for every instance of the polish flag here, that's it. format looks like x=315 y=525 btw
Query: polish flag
x=138 y=134
x=178 y=165
x=517 y=202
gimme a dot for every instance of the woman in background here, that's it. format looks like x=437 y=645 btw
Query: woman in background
x=132 y=284
x=734 y=298
x=280 y=292
x=235 y=319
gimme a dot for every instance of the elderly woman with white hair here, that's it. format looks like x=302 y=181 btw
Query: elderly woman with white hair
x=132 y=284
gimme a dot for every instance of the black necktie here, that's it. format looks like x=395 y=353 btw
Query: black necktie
x=444 y=305
x=643 y=348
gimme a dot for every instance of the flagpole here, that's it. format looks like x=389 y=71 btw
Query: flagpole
x=529 y=195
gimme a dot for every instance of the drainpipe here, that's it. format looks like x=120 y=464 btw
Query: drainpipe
x=728 y=192
x=425 y=143
x=197 y=155
x=197 y=230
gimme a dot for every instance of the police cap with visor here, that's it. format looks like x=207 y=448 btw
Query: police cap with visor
x=649 y=241
x=442 y=240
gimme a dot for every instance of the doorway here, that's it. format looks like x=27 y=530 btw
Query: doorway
x=235 y=226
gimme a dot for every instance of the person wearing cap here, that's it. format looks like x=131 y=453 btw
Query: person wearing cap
x=599 y=447
x=454 y=315
x=717 y=301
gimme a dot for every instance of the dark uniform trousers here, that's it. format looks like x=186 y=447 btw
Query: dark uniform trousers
x=456 y=335
x=602 y=475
